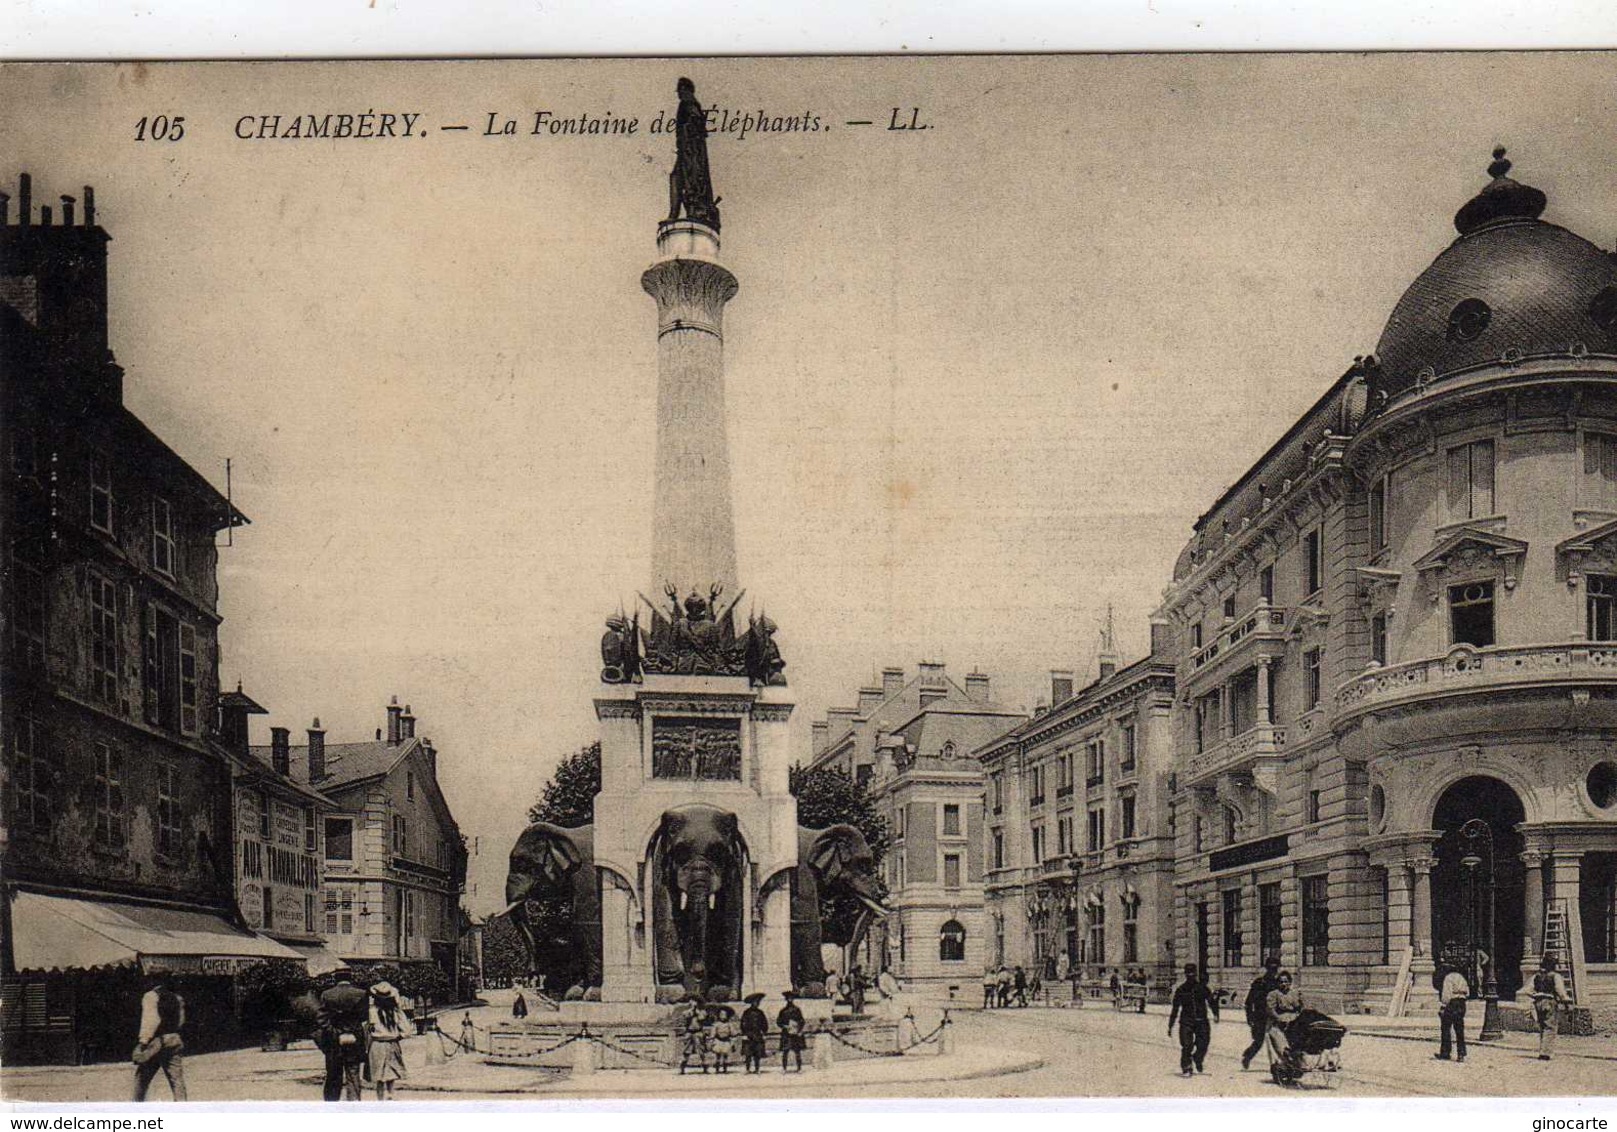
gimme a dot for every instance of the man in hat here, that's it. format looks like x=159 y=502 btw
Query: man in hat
x=1549 y=992
x=694 y=1027
x=344 y=1011
x=792 y=1041
x=754 y=1033
x=1192 y=1005
x=1257 y=1008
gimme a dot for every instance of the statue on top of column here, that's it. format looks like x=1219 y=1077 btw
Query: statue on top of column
x=690 y=186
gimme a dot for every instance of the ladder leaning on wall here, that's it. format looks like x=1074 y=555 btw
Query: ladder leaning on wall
x=1563 y=938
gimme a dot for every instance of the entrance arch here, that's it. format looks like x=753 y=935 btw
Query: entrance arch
x=1460 y=900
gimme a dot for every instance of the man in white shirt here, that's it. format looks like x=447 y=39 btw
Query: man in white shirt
x=1549 y=994
x=162 y=1014
x=1451 y=1013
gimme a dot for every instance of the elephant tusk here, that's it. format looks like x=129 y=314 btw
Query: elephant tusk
x=712 y=901
x=511 y=907
x=874 y=907
x=684 y=898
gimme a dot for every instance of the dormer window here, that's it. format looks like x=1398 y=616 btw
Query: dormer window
x=1471 y=614
x=1468 y=319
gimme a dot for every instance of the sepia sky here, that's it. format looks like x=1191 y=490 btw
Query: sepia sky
x=981 y=377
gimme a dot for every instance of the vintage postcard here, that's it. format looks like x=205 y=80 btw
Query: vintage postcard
x=759 y=578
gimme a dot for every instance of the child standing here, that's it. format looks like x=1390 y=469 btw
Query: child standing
x=724 y=1035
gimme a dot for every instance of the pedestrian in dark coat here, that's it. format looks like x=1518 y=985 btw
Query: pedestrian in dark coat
x=1257 y=1008
x=340 y=1028
x=519 y=1008
x=1019 y=983
x=792 y=1041
x=754 y=1034
x=1195 y=1009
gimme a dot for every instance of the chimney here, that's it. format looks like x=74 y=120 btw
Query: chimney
x=1108 y=648
x=1060 y=686
x=432 y=754
x=1161 y=638
x=819 y=729
x=67 y=210
x=394 y=722
x=892 y=679
x=234 y=708
x=281 y=750
x=407 y=723
x=839 y=721
x=25 y=200
x=977 y=685
x=317 y=751
x=869 y=697
x=45 y=216
x=89 y=206
x=5 y=208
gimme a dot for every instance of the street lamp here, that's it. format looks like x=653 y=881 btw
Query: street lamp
x=1476 y=835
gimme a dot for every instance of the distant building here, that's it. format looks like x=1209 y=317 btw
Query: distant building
x=395 y=863
x=116 y=821
x=1079 y=827
x=911 y=742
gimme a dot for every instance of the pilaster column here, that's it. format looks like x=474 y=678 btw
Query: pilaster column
x=1566 y=867
x=1533 y=909
x=1399 y=915
x=1420 y=925
x=1264 y=713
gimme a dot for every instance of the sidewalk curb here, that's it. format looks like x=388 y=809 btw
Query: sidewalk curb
x=1427 y=1039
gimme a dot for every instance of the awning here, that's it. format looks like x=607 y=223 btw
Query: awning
x=60 y=933
x=320 y=960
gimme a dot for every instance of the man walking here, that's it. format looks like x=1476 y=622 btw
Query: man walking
x=990 y=987
x=1019 y=982
x=1549 y=993
x=1257 y=1008
x=159 y=1046
x=344 y=1011
x=1195 y=1009
x=1451 y=998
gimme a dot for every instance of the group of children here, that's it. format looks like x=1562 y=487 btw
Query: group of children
x=710 y=1031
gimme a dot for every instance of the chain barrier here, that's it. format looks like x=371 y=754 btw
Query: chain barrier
x=634 y=1053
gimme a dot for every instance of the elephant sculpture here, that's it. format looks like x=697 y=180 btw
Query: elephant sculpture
x=552 y=862
x=836 y=859
x=697 y=888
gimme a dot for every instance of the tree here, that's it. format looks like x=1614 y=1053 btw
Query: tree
x=505 y=956
x=568 y=798
x=827 y=796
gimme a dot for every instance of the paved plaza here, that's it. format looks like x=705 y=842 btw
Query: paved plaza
x=1033 y=1052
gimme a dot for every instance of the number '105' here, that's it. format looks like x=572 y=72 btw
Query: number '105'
x=161 y=128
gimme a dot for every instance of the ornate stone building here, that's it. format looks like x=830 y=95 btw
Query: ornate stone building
x=1398 y=675
x=1079 y=830
x=911 y=741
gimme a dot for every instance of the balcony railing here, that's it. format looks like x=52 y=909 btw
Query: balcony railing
x=1260 y=742
x=1094 y=780
x=1262 y=622
x=1063 y=791
x=1465 y=668
x=1059 y=865
x=1036 y=800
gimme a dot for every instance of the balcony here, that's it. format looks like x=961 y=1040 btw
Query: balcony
x=1465 y=670
x=1063 y=792
x=1036 y=800
x=1262 y=623
x=1094 y=780
x=1058 y=866
x=1239 y=752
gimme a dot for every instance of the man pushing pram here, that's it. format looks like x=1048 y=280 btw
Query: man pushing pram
x=1301 y=1041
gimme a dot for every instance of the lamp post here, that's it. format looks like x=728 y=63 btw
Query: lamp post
x=1477 y=837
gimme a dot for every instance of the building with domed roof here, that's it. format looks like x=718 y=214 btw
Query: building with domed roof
x=1396 y=694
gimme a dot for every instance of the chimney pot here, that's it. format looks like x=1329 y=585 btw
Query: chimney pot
x=395 y=722
x=317 y=752
x=45 y=216
x=67 y=210
x=89 y=206
x=892 y=679
x=5 y=208
x=25 y=200
x=978 y=685
x=1060 y=686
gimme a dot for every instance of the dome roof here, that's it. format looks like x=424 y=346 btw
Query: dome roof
x=1510 y=282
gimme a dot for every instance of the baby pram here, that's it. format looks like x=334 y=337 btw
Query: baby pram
x=1313 y=1046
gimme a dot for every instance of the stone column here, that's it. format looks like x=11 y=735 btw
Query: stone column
x=1421 y=911
x=1399 y=913
x=1265 y=714
x=1532 y=912
x=1566 y=866
x=773 y=966
x=621 y=981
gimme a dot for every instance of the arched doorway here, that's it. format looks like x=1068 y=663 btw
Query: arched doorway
x=1461 y=907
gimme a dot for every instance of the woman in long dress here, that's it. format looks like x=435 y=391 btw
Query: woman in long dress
x=387 y=1039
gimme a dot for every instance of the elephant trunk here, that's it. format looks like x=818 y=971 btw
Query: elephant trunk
x=698 y=895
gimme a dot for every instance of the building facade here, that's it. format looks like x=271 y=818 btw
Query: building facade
x=1079 y=834
x=1396 y=693
x=116 y=821
x=910 y=741
x=394 y=859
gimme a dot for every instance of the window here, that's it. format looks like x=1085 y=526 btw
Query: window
x=1312 y=573
x=1096 y=752
x=311 y=836
x=168 y=813
x=109 y=797
x=1232 y=927
x=409 y=785
x=951 y=820
x=188 y=679
x=308 y=911
x=1097 y=829
x=1097 y=932
x=1471 y=614
x=1065 y=768
x=340 y=911
x=28 y=606
x=1209 y=720
x=1129 y=749
x=399 y=832
x=1061 y=837
x=1266 y=583
x=1232 y=825
x=899 y=823
x=1378 y=639
x=1200 y=833
x=1035 y=779
x=997 y=782
x=1378 y=514
x=263 y=816
x=1244 y=702
x=1468 y=319
x=861 y=773
x=1313 y=807
x=162 y=537
x=1471 y=494
x=1316 y=923
x=1599 y=487
x=1127 y=803
x=952 y=942
x=951 y=870
x=1313 y=684
x=101 y=494
x=169 y=671
x=1229 y=608
x=1196 y=636
x=1131 y=929
x=1602 y=607
x=999 y=848
x=898 y=869
x=31 y=775
x=1269 y=919
x=410 y=926
x=104 y=640
x=1038 y=844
